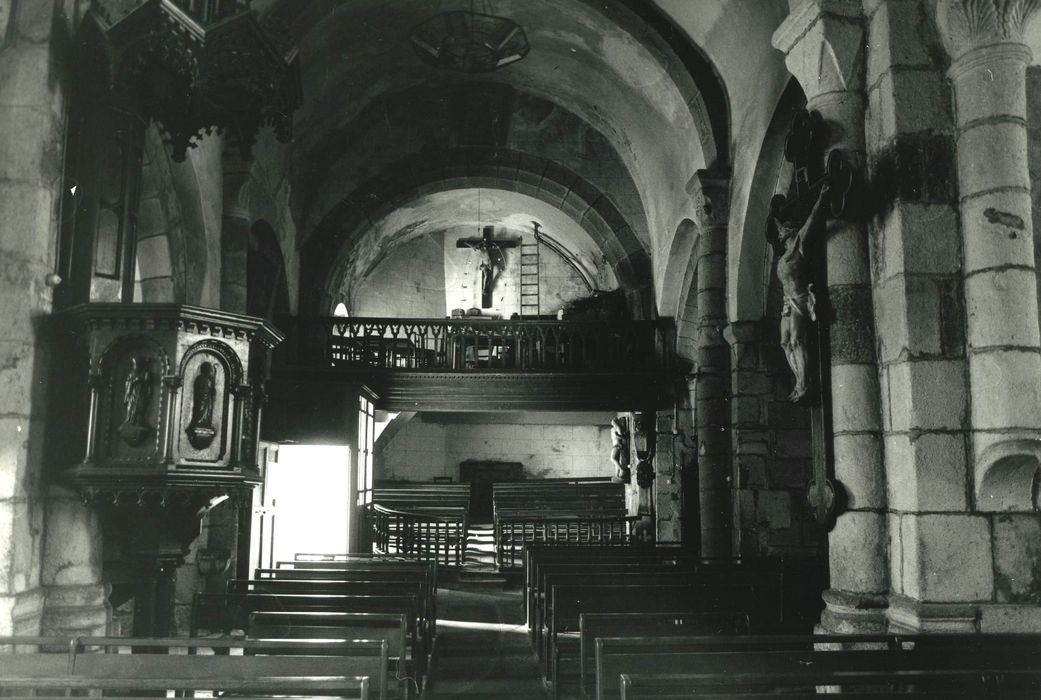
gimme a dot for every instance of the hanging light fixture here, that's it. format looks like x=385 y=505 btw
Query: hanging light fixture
x=470 y=41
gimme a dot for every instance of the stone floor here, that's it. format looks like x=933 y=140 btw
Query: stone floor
x=482 y=650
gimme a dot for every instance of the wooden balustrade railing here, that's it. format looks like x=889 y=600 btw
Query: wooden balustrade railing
x=477 y=344
x=439 y=538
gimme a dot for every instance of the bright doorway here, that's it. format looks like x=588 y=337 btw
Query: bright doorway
x=305 y=504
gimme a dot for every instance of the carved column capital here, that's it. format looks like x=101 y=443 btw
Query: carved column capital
x=710 y=190
x=967 y=25
x=823 y=46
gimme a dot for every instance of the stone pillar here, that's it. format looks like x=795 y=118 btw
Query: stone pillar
x=31 y=139
x=988 y=73
x=823 y=42
x=711 y=192
x=1003 y=340
x=235 y=232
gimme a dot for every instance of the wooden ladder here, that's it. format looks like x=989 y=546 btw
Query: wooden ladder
x=529 y=280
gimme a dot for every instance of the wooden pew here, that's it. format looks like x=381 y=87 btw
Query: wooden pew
x=765 y=606
x=224 y=612
x=961 y=683
x=352 y=687
x=342 y=587
x=281 y=667
x=574 y=511
x=408 y=663
x=789 y=594
x=570 y=601
x=425 y=573
x=424 y=520
x=641 y=624
x=770 y=663
x=413 y=572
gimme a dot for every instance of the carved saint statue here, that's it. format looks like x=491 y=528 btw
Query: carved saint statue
x=644 y=434
x=204 y=391
x=136 y=390
x=620 y=449
x=789 y=242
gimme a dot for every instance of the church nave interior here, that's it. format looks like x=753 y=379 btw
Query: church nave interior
x=520 y=348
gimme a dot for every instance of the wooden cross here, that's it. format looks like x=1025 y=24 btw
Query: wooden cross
x=493 y=262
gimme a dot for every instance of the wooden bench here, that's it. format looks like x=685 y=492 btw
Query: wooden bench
x=787 y=591
x=570 y=601
x=800 y=662
x=336 y=668
x=575 y=511
x=635 y=624
x=424 y=573
x=424 y=520
x=408 y=664
x=962 y=683
x=342 y=587
x=225 y=612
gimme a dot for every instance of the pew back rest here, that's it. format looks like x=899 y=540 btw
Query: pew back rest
x=106 y=660
x=225 y=612
x=641 y=624
x=387 y=627
x=757 y=660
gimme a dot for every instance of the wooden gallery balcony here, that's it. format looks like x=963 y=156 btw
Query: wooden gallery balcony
x=485 y=364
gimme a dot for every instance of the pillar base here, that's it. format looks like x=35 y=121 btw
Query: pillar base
x=76 y=611
x=910 y=616
x=849 y=612
x=20 y=612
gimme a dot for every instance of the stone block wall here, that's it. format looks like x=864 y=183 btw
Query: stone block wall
x=772 y=443
x=549 y=445
x=31 y=139
x=408 y=283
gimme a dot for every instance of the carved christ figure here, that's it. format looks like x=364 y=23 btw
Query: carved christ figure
x=493 y=261
x=789 y=244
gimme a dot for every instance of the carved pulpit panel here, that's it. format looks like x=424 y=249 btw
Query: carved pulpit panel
x=130 y=427
x=209 y=373
x=171 y=399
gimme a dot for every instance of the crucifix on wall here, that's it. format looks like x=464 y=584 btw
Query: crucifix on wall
x=493 y=260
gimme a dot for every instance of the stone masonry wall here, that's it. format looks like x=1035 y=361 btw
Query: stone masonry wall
x=772 y=443
x=548 y=445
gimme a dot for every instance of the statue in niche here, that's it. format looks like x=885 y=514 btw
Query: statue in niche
x=136 y=391
x=204 y=392
x=788 y=241
x=620 y=450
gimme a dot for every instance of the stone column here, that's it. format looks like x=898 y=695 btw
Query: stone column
x=1003 y=339
x=31 y=139
x=988 y=72
x=711 y=192
x=823 y=42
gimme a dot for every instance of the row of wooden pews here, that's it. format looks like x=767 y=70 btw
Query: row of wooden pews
x=61 y=666
x=559 y=511
x=659 y=622
x=426 y=521
x=373 y=597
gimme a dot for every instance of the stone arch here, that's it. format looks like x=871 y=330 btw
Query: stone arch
x=160 y=235
x=328 y=250
x=749 y=263
x=672 y=289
